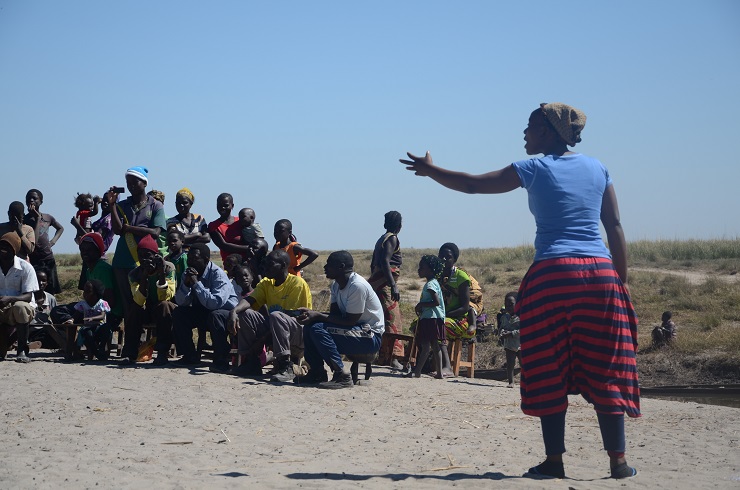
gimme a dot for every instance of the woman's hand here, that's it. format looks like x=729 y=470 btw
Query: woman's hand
x=421 y=166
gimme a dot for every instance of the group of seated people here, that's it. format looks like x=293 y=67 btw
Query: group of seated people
x=161 y=274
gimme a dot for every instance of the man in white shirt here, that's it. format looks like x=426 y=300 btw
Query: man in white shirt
x=17 y=304
x=354 y=324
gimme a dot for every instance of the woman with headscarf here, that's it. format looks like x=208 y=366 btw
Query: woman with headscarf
x=463 y=303
x=194 y=227
x=578 y=328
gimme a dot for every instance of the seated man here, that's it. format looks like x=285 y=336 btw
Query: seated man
x=205 y=297
x=354 y=324
x=17 y=303
x=270 y=311
x=153 y=286
x=96 y=267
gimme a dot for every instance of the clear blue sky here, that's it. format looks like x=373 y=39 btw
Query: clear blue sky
x=301 y=110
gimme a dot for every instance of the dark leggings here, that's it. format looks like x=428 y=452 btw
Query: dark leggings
x=612 y=433
x=511 y=357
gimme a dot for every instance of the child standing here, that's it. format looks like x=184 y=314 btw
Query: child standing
x=93 y=309
x=508 y=328
x=431 y=310
x=42 y=255
x=286 y=240
x=87 y=207
x=176 y=255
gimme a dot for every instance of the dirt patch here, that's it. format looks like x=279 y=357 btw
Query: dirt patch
x=695 y=277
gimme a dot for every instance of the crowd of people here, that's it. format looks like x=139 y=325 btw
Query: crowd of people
x=571 y=325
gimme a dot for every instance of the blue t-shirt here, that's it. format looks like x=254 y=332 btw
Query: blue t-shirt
x=565 y=194
x=436 y=311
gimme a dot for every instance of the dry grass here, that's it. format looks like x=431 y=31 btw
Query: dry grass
x=705 y=310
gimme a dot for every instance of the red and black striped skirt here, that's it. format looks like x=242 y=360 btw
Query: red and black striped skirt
x=578 y=334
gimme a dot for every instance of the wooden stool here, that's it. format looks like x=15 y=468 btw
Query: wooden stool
x=456 y=358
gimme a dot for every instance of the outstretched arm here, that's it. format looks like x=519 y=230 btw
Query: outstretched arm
x=614 y=232
x=496 y=182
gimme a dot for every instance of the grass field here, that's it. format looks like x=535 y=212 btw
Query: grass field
x=696 y=279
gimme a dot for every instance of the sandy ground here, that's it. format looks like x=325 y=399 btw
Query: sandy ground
x=98 y=425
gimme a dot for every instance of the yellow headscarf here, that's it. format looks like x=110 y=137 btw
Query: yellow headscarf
x=185 y=192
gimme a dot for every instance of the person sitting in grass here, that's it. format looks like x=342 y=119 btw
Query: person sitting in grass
x=285 y=240
x=153 y=287
x=269 y=311
x=665 y=333
x=353 y=325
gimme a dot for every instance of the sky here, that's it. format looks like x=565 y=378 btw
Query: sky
x=301 y=110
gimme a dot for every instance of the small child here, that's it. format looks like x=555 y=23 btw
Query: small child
x=42 y=331
x=285 y=240
x=242 y=280
x=251 y=231
x=665 y=333
x=87 y=207
x=93 y=309
x=431 y=311
x=44 y=301
x=176 y=254
x=103 y=225
x=508 y=328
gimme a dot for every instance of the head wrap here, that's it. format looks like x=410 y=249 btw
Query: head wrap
x=567 y=121
x=185 y=192
x=95 y=238
x=139 y=172
x=12 y=239
x=158 y=195
x=436 y=265
x=148 y=243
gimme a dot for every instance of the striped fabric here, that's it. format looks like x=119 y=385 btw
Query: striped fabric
x=579 y=336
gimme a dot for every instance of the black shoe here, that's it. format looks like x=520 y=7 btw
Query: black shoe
x=313 y=377
x=248 y=369
x=548 y=469
x=623 y=471
x=219 y=368
x=339 y=380
x=22 y=357
x=284 y=372
x=160 y=360
x=188 y=362
x=127 y=361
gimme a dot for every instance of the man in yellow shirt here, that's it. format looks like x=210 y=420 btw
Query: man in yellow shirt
x=270 y=310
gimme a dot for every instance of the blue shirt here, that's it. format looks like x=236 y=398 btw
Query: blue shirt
x=565 y=194
x=214 y=290
x=434 y=311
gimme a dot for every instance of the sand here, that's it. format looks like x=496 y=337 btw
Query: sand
x=98 y=425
